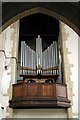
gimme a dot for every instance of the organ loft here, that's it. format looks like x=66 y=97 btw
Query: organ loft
x=40 y=81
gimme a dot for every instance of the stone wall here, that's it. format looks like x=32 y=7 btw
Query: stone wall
x=70 y=63
x=8 y=55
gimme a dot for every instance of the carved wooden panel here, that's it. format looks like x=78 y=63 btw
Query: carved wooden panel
x=18 y=90
x=32 y=90
x=47 y=90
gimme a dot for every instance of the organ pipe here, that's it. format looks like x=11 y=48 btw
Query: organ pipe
x=39 y=50
x=48 y=59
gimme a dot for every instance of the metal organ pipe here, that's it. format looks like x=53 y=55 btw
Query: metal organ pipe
x=48 y=59
x=22 y=56
x=21 y=59
x=34 y=64
x=52 y=56
x=27 y=58
x=54 y=48
x=39 y=51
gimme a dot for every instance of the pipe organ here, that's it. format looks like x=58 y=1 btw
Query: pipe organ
x=39 y=83
x=28 y=59
x=39 y=62
x=39 y=69
x=50 y=59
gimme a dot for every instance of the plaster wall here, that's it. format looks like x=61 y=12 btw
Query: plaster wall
x=40 y=113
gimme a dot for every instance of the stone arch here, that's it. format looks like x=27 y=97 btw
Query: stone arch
x=39 y=10
x=49 y=9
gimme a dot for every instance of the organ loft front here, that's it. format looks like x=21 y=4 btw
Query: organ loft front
x=40 y=82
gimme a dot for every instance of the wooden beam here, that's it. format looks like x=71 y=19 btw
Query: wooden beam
x=30 y=69
x=26 y=68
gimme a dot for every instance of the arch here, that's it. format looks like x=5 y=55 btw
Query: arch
x=66 y=12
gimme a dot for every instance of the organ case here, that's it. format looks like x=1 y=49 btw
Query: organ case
x=41 y=84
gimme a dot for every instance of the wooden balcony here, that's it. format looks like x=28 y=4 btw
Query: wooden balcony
x=39 y=94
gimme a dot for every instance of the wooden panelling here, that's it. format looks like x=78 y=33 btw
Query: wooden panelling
x=32 y=90
x=61 y=91
x=18 y=90
x=47 y=90
x=39 y=95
